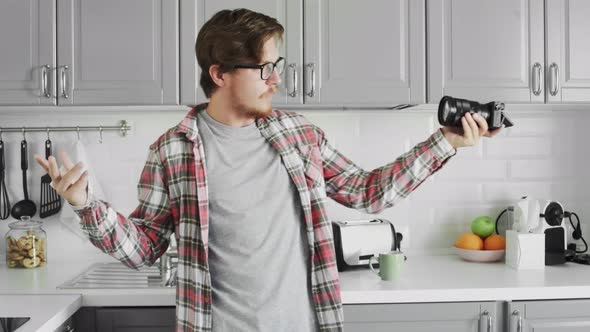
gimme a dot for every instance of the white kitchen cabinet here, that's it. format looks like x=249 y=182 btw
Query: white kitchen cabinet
x=486 y=50
x=568 y=51
x=339 y=53
x=27 y=35
x=117 y=52
x=549 y=316
x=366 y=53
x=515 y=51
x=89 y=52
x=423 y=317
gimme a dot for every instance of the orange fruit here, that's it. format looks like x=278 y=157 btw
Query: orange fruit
x=469 y=241
x=494 y=242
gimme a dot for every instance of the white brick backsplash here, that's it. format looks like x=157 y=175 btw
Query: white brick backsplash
x=396 y=124
x=472 y=153
x=132 y=150
x=440 y=191
x=464 y=215
x=541 y=169
x=565 y=192
x=540 y=124
x=508 y=147
x=428 y=238
x=543 y=155
x=465 y=169
x=421 y=213
x=384 y=137
x=506 y=192
x=563 y=147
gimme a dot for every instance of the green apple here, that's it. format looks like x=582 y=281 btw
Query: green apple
x=483 y=226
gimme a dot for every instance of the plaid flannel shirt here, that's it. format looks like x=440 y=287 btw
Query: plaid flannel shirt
x=172 y=193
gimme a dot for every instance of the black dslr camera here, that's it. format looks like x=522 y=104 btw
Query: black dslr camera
x=451 y=110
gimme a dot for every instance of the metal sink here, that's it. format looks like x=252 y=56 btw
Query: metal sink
x=117 y=275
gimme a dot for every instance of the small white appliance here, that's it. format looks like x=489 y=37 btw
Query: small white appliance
x=543 y=217
x=358 y=240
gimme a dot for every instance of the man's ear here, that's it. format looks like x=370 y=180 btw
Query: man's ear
x=217 y=75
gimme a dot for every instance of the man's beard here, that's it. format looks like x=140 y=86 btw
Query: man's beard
x=257 y=112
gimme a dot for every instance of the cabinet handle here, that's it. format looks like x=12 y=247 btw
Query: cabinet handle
x=45 y=81
x=64 y=82
x=537 y=78
x=488 y=320
x=293 y=67
x=554 y=69
x=519 y=321
x=311 y=67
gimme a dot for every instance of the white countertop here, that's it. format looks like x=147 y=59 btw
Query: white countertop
x=443 y=278
x=47 y=312
x=447 y=278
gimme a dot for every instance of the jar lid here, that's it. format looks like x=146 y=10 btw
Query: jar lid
x=25 y=222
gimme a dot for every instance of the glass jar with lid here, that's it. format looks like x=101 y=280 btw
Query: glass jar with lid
x=26 y=244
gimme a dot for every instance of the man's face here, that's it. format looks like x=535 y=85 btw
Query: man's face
x=249 y=93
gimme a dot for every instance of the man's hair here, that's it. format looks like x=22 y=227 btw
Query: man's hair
x=231 y=37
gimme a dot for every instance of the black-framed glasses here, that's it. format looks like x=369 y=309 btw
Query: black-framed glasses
x=266 y=69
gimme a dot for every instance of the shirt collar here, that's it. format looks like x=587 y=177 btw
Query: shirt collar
x=188 y=125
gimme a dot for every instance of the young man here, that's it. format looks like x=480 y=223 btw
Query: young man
x=244 y=190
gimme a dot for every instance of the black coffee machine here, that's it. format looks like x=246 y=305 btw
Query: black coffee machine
x=552 y=224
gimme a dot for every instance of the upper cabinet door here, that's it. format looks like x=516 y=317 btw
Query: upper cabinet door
x=288 y=13
x=568 y=51
x=114 y=52
x=27 y=29
x=364 y=53
x=486 y=50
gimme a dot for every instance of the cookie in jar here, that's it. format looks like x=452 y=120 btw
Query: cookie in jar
x=26 y=244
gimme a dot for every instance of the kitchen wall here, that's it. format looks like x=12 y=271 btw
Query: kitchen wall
x=544 y=156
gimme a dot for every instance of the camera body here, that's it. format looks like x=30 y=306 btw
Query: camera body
x=451 y=110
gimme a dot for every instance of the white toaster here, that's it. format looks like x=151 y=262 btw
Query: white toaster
x=358 y=240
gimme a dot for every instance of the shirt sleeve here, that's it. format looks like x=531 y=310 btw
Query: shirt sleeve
x=373 y=191
x=143 y=236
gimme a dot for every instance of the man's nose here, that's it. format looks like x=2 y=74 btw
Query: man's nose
x=275 y=78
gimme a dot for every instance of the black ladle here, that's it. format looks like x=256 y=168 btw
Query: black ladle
x=26 y=207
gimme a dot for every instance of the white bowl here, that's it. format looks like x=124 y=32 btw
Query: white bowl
x=480 y=255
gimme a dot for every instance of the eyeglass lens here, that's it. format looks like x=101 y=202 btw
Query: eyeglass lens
x=268 y=68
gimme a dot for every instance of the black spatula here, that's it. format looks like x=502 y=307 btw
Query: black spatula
x=50 y=200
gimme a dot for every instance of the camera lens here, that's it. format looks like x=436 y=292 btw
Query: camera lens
x=451 y=110
x=447 y=112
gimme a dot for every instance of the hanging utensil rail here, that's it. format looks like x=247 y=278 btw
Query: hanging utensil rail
x=123 y=128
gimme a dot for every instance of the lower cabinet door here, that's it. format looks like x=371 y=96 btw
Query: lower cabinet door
x=549 y=316
x=136 y=319
x=422 y=317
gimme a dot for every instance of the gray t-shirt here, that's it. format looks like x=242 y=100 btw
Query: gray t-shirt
x=258 y=253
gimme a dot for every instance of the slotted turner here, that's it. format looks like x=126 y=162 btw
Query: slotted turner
x=50 y=200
